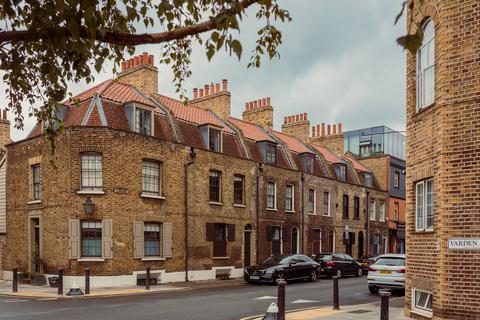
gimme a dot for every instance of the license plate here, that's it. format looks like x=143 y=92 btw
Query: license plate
x=254 y=278
x=385 y=272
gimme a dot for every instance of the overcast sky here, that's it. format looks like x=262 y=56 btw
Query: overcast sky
x=339 y=62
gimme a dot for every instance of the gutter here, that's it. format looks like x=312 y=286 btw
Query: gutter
x=368 y=224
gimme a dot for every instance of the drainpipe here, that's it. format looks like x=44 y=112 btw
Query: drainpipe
x=303 y=212
x=257 y=242
x=193 y=154
x=368 y=223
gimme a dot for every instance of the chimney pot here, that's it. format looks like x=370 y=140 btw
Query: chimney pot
x=305 y=116
x=124 y=65
x=334 y=128
x=217 y=88
x=297 y=118
x=150 y=59
x=5 y=114
x=329 y=131
x=246 y=106
x=323 y=129
x=251 y=105
x=212 y=88
x=260 y=103
x=224 y=85
x=313 y=132
x=339 y=128
x=285 y=120
x=318 y=130
x=195 y=93
x=255 y=104
x=145 y=58
x=290 y=119
x=137 y=62
x=201 y=93
x=268 y=102
x=207 y=90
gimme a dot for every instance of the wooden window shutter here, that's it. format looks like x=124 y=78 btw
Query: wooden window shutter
x=167 y=240
x=107 y=243
x=284 y=234
x=269 y=233
x=74 y=238
x=310 y=235
x=138 y=242
x=210 y=230
x=231 y=232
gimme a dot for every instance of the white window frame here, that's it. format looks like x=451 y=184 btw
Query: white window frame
x=423 y=311
x=314 y=201
x=328 y=204
x=382 y=211
x=220 y=135
x=293 y=197
x=274 y=195
x=148 y=194
x=422 y=206
x=427 y=48
x=83 y=186
x=134 y=121
x=372 y=210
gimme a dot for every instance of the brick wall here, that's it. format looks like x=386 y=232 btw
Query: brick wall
x=443 y=143
x=259 y=112
x=213 y=97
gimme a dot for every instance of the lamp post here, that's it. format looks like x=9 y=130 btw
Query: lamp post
x=89 y=206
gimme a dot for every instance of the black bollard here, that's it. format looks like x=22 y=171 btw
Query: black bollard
x=60 y=281
x=336 y=300
x=384 y=296
x=147 y=281
x=87 y=281
x=15 y=280
x=281 y=283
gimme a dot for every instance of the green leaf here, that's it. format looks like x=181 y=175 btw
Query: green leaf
x=237 y=48
x=399 y=15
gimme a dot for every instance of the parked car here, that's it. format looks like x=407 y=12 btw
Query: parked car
x=338 y=264
x=388 y=271
x=366 y=261
x=283 y=266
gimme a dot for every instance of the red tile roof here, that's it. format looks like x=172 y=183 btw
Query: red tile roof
x=358 y=166
x=291 y=142
x=327 y=154
x=111 y=90
x=190 y=113
x=250 y=130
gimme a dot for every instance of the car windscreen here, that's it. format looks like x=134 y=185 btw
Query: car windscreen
x=275 y=260
x=325 y=257
x=397 y=262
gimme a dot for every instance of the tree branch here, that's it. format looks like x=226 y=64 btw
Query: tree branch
x=127 y=39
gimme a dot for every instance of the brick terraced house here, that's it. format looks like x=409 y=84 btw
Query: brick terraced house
x=142 y=180
x=443 y=152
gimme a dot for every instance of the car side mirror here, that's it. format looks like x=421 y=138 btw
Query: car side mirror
x=293 y=262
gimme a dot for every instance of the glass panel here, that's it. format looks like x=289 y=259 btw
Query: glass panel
x=151 y=177
x=271 y=195
x=143 y=121
x=429 y=204
x=152 y=239
x=238 y=186
x=214 y=186
x=214 y=139
x=91 y=167
x=419 y=205
x=91 y=234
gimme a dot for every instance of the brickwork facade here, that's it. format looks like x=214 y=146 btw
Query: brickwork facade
x=443 y=146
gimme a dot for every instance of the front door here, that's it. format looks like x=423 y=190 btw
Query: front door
x=35 y=248
x=360 y=245
x=247 y=249
x=294 y=241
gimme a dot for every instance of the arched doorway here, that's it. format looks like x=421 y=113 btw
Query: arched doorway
x=294 y=248
x=247 y=246
x=360 y=245
x=331 y=241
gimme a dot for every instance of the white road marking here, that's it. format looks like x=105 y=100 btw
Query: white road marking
x=265 y=298
x=13 y=300
x=47 y=299
x=304 y=301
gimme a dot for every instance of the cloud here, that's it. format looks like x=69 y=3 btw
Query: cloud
x=339 y=62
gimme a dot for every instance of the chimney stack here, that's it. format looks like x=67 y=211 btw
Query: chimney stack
x=332 y=139
x=297 y=126
x=4 y=129
x=259 y=112
x=141 y=73
x=214 y=99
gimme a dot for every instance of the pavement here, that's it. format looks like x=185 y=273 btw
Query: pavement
x=212 y=300
x=29 y=291
x=367 y=311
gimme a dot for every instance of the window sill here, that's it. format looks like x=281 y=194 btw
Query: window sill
x=215 y=203
x=91 y=260
x=152 y=196
x=220 y=258
x=421 y=313
x=271 y=209
x=290 y=211
x=239 y=205
x=99 y=192
x=424 y=230
x=153 y=259
x=312 y=213
x=34 y=202
x=327 y=215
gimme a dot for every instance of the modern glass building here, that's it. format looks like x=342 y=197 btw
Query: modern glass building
x=375 y=140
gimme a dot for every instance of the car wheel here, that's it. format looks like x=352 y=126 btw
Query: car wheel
x=339 y=273
x=359 y=272
x=373 y=289
x=313 y=276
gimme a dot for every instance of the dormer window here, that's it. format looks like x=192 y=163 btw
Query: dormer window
x=214 y=139
x=143 y=121
x=271 y=154
x=140 y=119
x=367 y=177
x=341 y=172
x=308 y=162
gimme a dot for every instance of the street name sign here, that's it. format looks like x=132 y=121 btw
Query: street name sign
x=464 y=244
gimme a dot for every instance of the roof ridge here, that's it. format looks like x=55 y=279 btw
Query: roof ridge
x=103 y=86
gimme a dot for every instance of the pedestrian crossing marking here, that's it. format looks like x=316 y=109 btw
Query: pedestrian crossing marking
x=304 y=301
x=265 y=298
